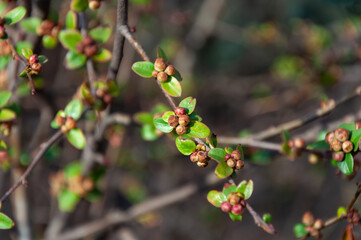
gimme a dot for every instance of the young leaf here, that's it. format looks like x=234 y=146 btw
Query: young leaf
x=79 y=5
x=300 y=230
x=148 y=132
x=67 y=200
x=74 y=60
x=216 y=198
x=172 y=87
x=341 y=212
x=189 y=104
x=69 y=38
x=30 y=24
x=355 y=139
x=7 y=115
x=348 y=126
x=195 y=117
x=143 y=118
x=230 y=189
x=27 y=52
x=319 y=145
x=223 y=171
x=73 y=169
x=143 y=69
x=76 y=138
x=103 y=55
x=160 y=124
x=49 y=41
x=4 y=98
x=5 y=222
x=15 y=15
x=71 y=20
x=198 y=129
x=74 y=109
x=100 y=34
x=217 y=154
x=235 y=217
x=246 y=188
x=166 y=115
x=185 y=146
x=229 y=150
x=346 y=166
x=24 y=44
x=42 y=59
x=161 y=54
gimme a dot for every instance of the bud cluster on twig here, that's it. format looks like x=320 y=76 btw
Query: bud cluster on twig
x=200 y=156
x=162 y=70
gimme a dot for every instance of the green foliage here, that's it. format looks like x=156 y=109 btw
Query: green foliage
x=7 y=115
x=267 y=218
x=100 y=34
x=222 y=170
x=67 y=200
x=346 y=166
x=166 y=115
x=15 y=15
x=216 y=198
x=143 y=69
x=76 y=138
x=189 y=104
x=355 y=139
x=30 y=24
x=235 y=217
x=160 y=52
x=319 y=145
x=27 y=52
x=144 y=118
x=69 y=38
x=71 y=20
x=5 y=222
x=246 y=188
x=79 y=5
x=74 y=109
x=20 y=45
x=49 y=41
x=300 y=230
x=4 y=60
x=148 y=132
x=198 y=129
x=73 y=169
x=103 y=55
x=163 y=126
x=217 y=154
x=172 y=87
x=4 y=98
x=74 y=60
x=185 y=146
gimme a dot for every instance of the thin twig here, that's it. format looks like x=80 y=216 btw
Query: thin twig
x=250 y=143
x=259 y=221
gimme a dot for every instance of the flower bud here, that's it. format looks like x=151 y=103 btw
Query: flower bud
x=181 y=130
x=94 y=4
x=234 y=199
x=162 y=77
x=33 y=59
x=199 y=164
x=338 y=156
x=80 y=47
x=336 y=145
x=70 y=123
x=184 y=120
x=194 y=157
x=236 y=154
x=159 y=64
x=173 y=120
x=308 y=218
x=170 y=70
x=237 y=209
x=347 y=146
x=358 y=125
x=154 y=73
x=36 y=68
x=341 y=134
x=202 y=156
x=64 y=129
x=318 y=224
x=299 y=143
x=108 y=98
x=231 y=163
x=88 y=40
x=329 y=137
x=180 y=111
x=226 y=206
x=228 y=156
x=91 y=50
x=239 y=164
x=100 y=93
x=59 y=120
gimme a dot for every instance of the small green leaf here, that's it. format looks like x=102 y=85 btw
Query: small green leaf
x=355 y=139
x=42 y=59
x=160 y=124
x=341 y=212
x=74 y=109
x=172 y=87
x=143 y=118
x=223 y=171
x=189 y=104
x=143 y=69
x=216 y=198
x=73 y=169
x=198 y=129
x=2 y=7
x=6 y=222
x=348 y=126
x=79 y=5
x=230 y=189
x=267 y=218
x=67 y=200
x=217 y=154
x=21 y=45
x=4 y=98
x=100 y=34
x=74 y=60
x=195 y=117
x=286 y=136
x=49 y=41
x=3 y=147
x=346 y=166
x=15 y=15
x=185 y=146
x=7 y=115
x=229 y=150
x=4 y=61
x=246 y=188
x=161 y=54
x=71 y=20
x=319 y=145
x=103 y=55
x=30 y=24
x=76 y=138
x=148 y=132
x=300 y=230
x=27 y=52
x=235 y=217
x=212 y=141
x=166 y=115
x=69 y=38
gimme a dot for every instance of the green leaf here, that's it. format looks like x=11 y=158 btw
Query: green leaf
x=341 y=212
x=74 y=109
x=7 y=115
x=143 y=69
x=355 y=138
x=148 y=132
x=189 y=104
x=348 y=126
x=185 y=146
x=76 y=138
x=103 y=55
x=100 y=34
x=74 y=60
x=49 y=41
x=26 y=52
x=172 y=87
x=195 y=117
x=4 y=98
x=67 y=200
x=212 y=141
x=143 y=118
x=223 y=171
x=3 y=146
x=198 y=129
x=286 y=136
x=15 y=15
x=346 y=166
x=216 y=198
x=2 y=7
x=53 y=124
x=69 y=38
x=79 y=5
x=230 y=189
x=229 y=150
x=235 y=217
x=6 y=222
x=166 y=115
x=217 y=154
x=21 y=45
x=160 y=124
x=319 y=145
x=73 y=169
x=246 y=188
x=161 y=54
x=30 y=24
x=71 y=20
x=42 y=59
x=4 y=60
x=300 y=230
x=159 y=108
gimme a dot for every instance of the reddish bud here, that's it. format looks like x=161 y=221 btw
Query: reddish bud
x=318 y=224
x=202 y=156
x=2 y=32
x=239 y=164
x=336 y=145
x=91 y=50
x=226 y=207
x=237 y=209
x=347 y=146
x=70 y=123
x=162 y=77
x=231 y=163
x=88 y=40
x=59 y=120
x=194 y=157
x=329 y=137
x=36 y=68
x=33 y=59
x=338 y=156
x=358 y=125
x=170 y=70
x=159 y=64
x=94 y=5
x=108 y=98
x=228 y=156
x=173 y=120
x=299 y=143
x=132 y=29
x=308 y=218
x=184 y=120
x=180 y=111
x=291 y=143
x=234 y=199
x=181 y=130
x=341 y=134
x=155 y=73
x=236 y=154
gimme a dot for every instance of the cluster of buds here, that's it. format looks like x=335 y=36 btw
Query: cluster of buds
x=312 y=226
x=162 y=70
x=35 y=66
x=200 y=156
x=179 y=121
x=5 y=49
x=66 y=123
x=3 y=34
x=94 y=4
x=339 y=143
x=77 y=184
x=235 y=204
x=296 y=145
x=48 y=28
x=88 y=46
x=103 y=97
x=234 y=160
x=353 y=216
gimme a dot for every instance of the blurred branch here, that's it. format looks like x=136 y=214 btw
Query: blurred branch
x=259 y=221
x=250 y=143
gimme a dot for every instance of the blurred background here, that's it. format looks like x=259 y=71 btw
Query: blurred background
x=251 y=64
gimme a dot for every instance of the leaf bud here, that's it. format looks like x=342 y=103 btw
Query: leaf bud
x=180 y=111
x=341 y=134
x=181 y=130
x=2 y=32
x=162 y=77
x=291 y=143
x=184 y=120
x=70 y=123
x=358 y=125
x=308 y=218
x=347 y=146
x=59 y=120
x=173 y=120
x=236 y=154
x=226 y=206
x=170 y=70
x=159 y=64
x=91 y=50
